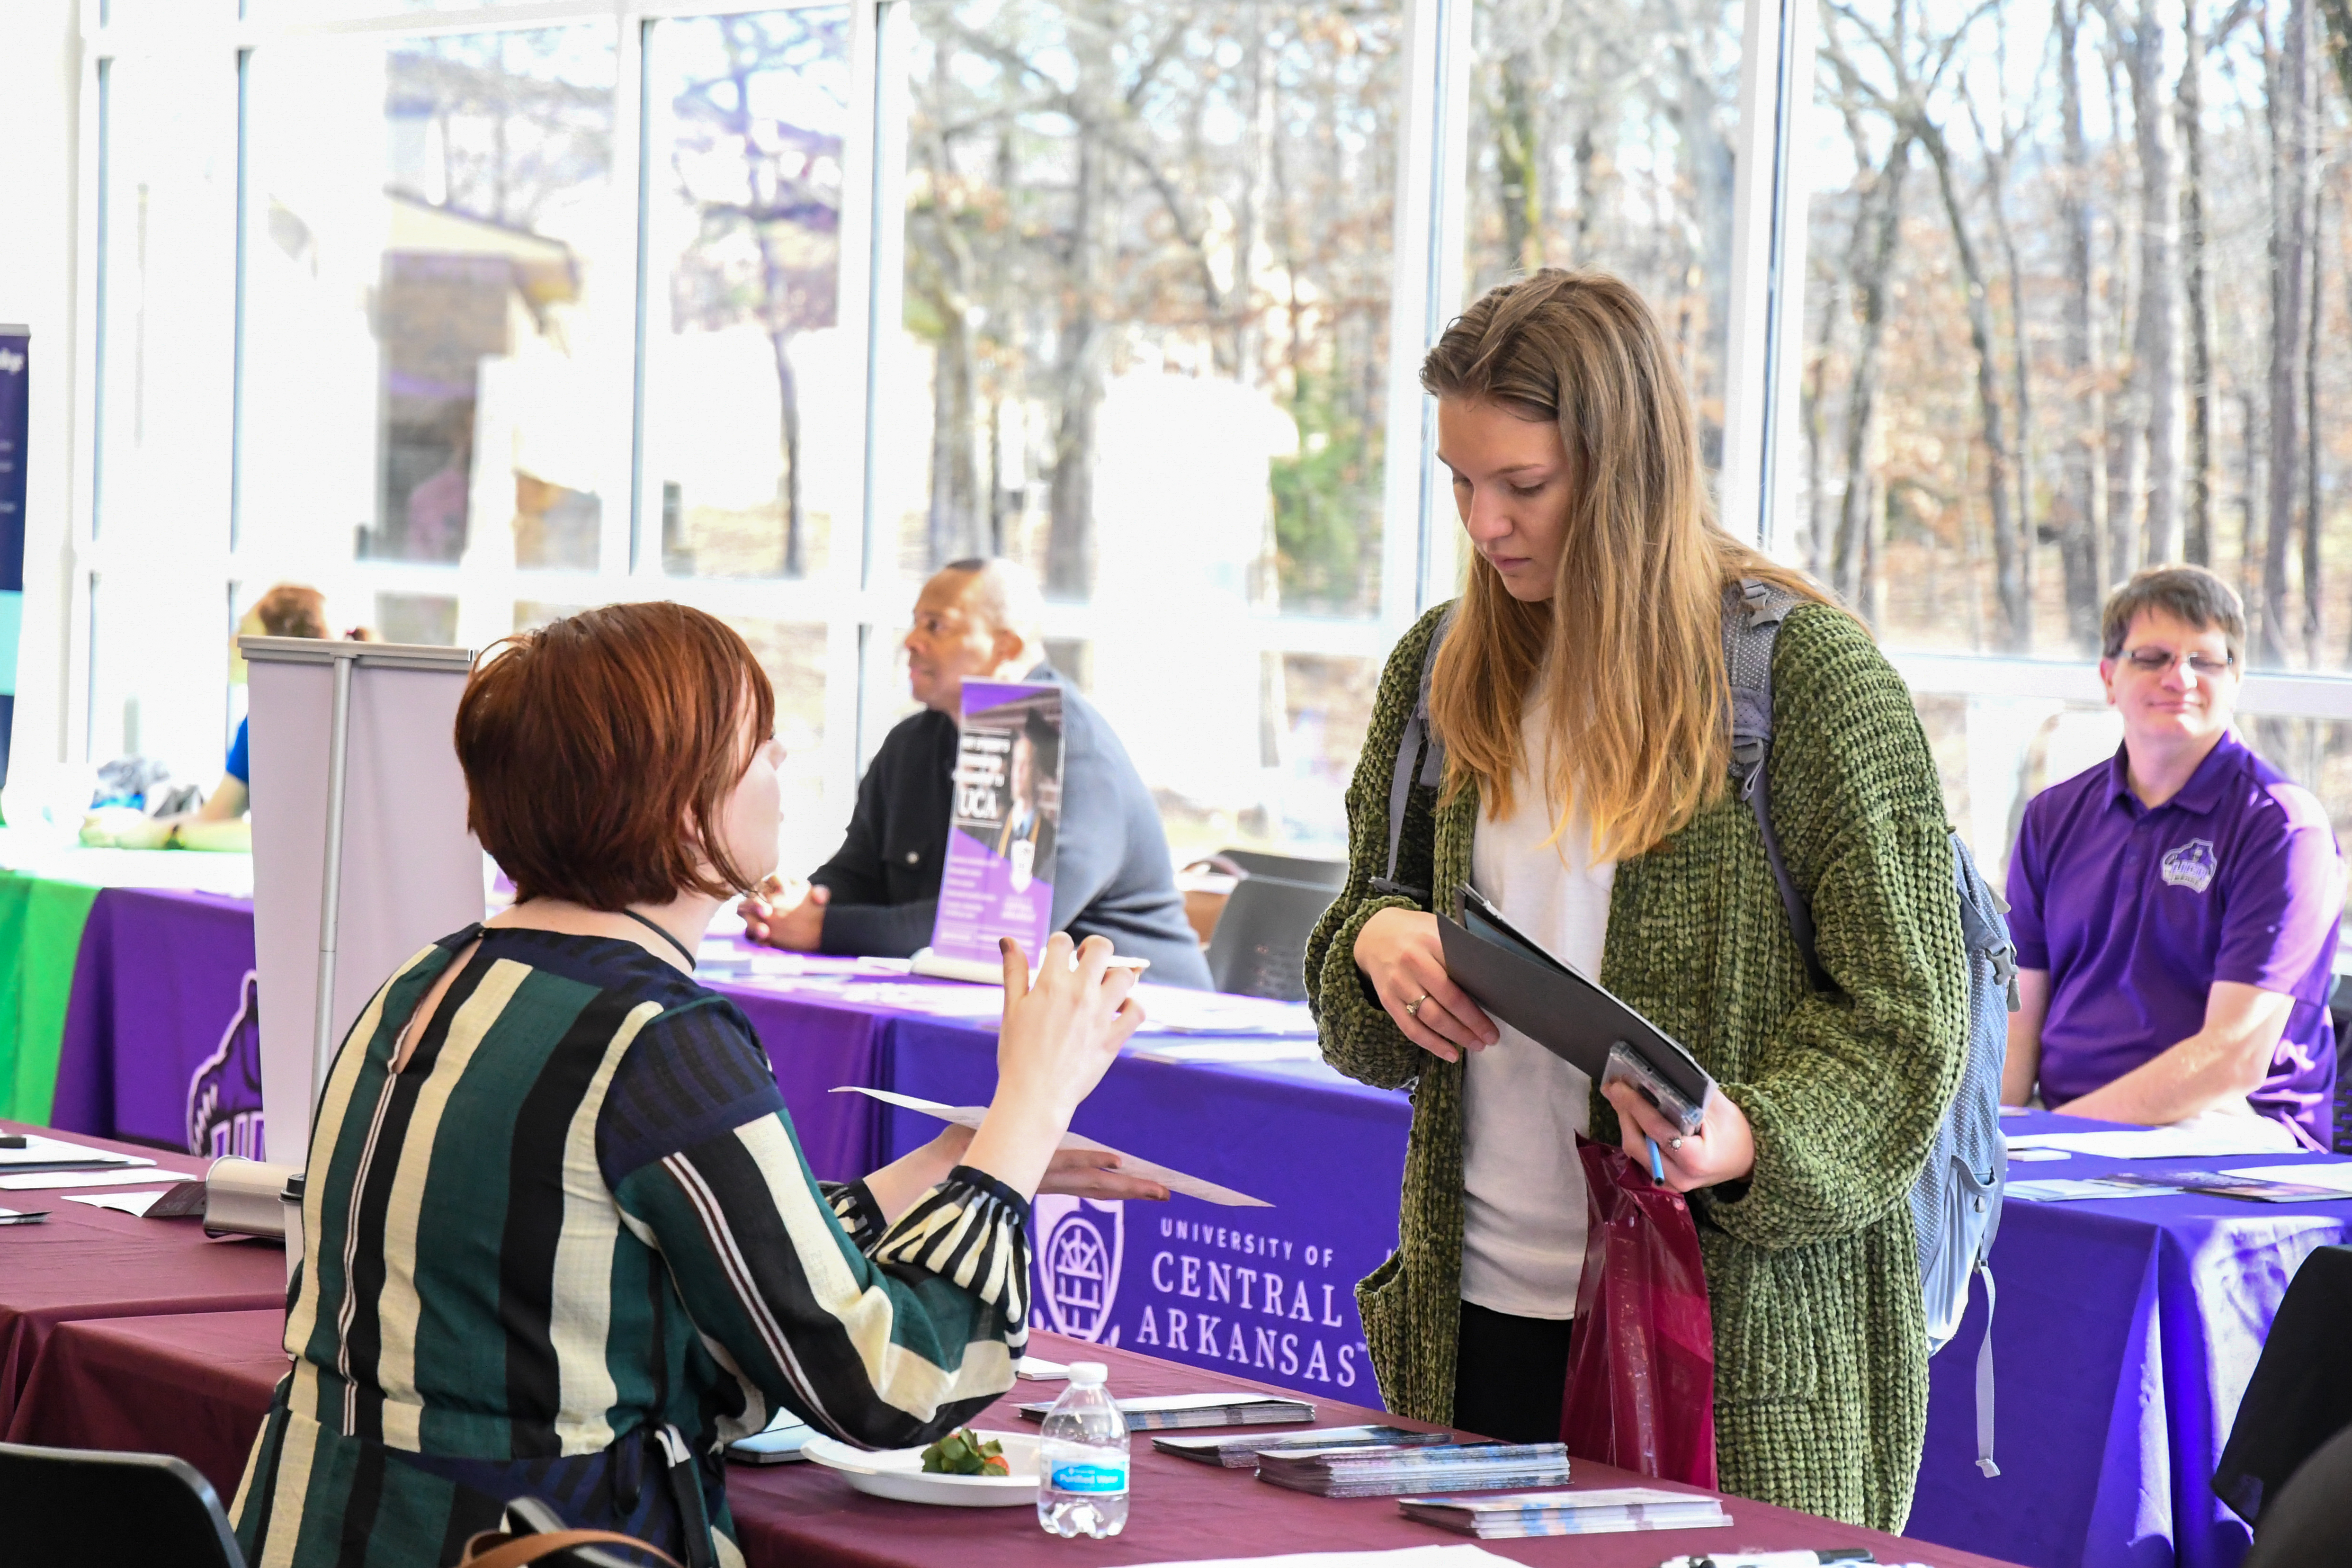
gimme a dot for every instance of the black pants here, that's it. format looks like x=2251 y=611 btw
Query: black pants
x=1509 y=1373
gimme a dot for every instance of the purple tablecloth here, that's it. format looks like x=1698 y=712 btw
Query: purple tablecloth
x=2126 y=1333
x=2125 y=1338
x=1264 y=1292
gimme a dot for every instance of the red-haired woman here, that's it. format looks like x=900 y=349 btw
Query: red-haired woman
x=1584 y=706
x=558 y=1239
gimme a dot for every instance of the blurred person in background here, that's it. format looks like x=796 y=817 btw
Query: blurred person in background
x=288 y=610
x=1113 y=875
x=2176 y=907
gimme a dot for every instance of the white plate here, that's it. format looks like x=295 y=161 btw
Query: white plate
x=898 y=1473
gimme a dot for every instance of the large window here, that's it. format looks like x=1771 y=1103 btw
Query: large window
x=1144 y=348
x=1603 y=134
x=474 y=313
x=751 y=451
x=2075 y=305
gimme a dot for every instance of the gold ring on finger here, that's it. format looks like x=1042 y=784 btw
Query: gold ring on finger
x=1413 y=1008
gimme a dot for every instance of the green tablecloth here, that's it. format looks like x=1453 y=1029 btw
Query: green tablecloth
x=41 y=935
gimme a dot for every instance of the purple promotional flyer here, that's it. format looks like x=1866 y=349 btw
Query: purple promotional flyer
x=999 y=877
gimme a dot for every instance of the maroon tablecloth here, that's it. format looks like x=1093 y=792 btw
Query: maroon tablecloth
x=191 y=1384
x=84 y=1263
x=197 y=1385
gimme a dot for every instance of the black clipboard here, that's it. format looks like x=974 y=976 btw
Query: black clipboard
x=1570 y=1015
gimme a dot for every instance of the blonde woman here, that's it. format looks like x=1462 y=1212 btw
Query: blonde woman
x=1582 y=699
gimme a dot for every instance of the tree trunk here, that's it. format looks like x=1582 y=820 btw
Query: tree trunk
x=2029 y=534
x=2291 y=129
x=2314 y=448
x=1077 y=371
x=2197 y=543
x=1817 y=531
x=2016 y=632
x=2084 y=539
x=1861 y=513
x=952 y=526
x=788 y=392
x=2156 y=350
x=1518 y=164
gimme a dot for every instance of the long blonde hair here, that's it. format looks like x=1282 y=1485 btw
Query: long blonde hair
x=1629 y=645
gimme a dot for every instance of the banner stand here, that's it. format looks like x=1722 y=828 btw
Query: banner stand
x=361 y=852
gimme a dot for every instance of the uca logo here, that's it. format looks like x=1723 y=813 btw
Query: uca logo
x=1083 y=1244
x=224 y=1092
x=2191 y=866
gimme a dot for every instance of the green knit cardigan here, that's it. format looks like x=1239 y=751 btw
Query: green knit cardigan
x=1813 y=1272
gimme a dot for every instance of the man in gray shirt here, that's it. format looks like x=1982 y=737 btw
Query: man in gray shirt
x=1113 y=875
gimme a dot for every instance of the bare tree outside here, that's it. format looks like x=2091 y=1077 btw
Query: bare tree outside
x=1202 y=190
x=1601 y=135
x=2090 y=334
x=750 y=156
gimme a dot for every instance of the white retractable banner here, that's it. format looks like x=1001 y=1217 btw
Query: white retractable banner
x=393 y=853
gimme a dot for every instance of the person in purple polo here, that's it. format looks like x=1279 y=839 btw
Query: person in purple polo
x=2176 y=908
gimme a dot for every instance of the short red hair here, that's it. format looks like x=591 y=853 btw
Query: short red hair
x=600 y=749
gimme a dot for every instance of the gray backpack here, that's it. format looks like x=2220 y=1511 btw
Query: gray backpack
x=1956 y=1202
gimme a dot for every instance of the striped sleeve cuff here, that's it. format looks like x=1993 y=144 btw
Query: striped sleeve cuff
x=972 y=1231
x=853 y=1204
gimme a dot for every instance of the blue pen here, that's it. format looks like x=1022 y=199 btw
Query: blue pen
x=1658 y=1166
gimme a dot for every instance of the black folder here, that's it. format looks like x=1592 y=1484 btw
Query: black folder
x=1570 y=1015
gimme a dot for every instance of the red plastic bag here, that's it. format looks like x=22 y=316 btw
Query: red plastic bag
x=1641 y=1365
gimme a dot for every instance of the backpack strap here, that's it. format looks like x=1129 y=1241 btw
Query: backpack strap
x=1421 y=758
x=1751 y=626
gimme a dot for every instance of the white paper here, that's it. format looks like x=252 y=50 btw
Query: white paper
x=1246 y=1049
x=2332 y=1173
x=40 y=1151
x=1128 y=1165
x=128 y=1202
x=1402 y=1557
x=2061 y=1190
x=1038 y=1371
x=2035 y=1156
x=1178 y=1010
x=2205 y=1143
x=51 y=1181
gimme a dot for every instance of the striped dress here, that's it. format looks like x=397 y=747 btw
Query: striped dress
x=571 y=1249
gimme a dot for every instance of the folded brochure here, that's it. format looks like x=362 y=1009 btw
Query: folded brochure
x=1242 y=1453
x=1168 y=1412
x=1128 y=1165
x=1391 y=1471
x=1602 y=1511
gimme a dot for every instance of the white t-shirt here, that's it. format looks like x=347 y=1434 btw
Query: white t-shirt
x=1523 y=1218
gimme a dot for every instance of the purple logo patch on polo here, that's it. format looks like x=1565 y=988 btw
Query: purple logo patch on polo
x=2191 y=866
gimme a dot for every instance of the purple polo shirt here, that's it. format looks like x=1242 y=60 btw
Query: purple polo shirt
x=2136 y=912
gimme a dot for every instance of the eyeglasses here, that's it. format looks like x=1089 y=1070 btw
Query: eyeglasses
x=2156 y=661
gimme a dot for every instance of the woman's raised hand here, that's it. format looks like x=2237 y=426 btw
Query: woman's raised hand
x=1399 y=953
x=1063 y=1030
x=1060 y=1034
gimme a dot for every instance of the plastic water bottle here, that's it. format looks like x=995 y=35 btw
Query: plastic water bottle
x=1082 y=1459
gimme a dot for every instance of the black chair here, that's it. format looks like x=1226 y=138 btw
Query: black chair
x=2309 y=1523
x=73 y=1508
x=1259 y=948
x=1331 y=874
x=2301 y=1393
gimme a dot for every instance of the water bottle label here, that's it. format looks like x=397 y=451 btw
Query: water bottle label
x=1085 y=1478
